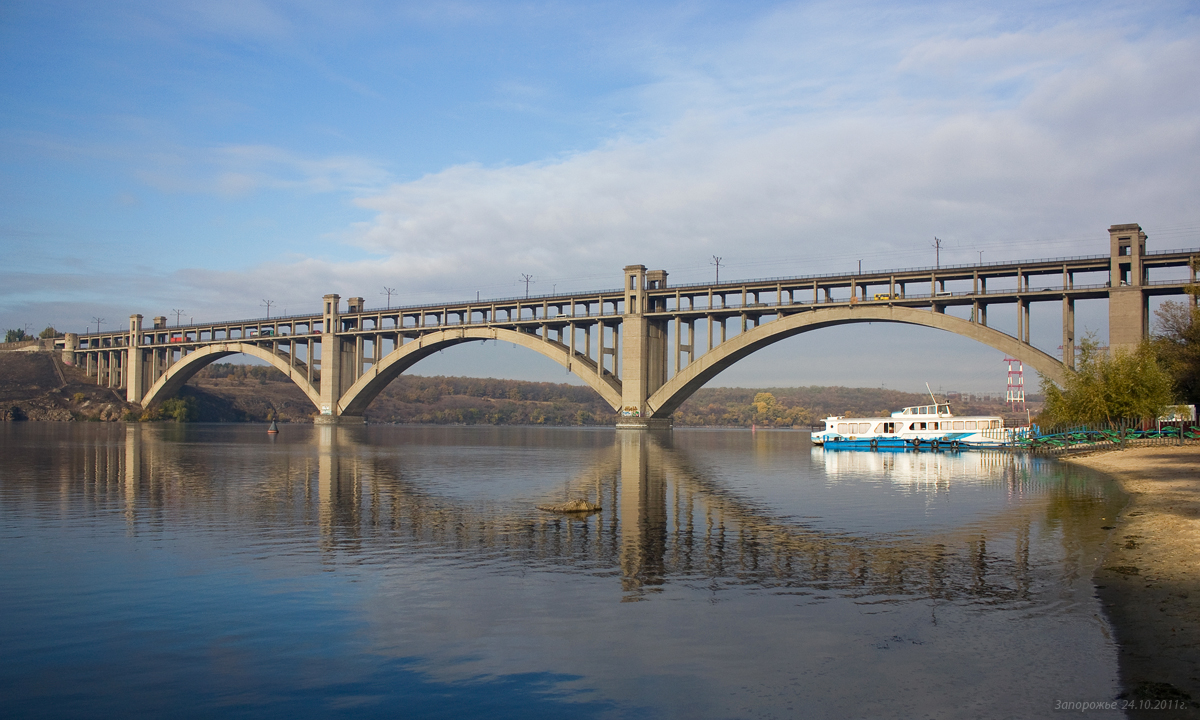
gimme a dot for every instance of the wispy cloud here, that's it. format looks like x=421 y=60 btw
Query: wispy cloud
x=1100 y=136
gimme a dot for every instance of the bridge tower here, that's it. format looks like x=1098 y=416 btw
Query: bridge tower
x=135 y=379
x=337 y=362
x=643 y=349
x=1128 y=304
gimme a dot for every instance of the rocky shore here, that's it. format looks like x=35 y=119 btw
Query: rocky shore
x=1149 y=582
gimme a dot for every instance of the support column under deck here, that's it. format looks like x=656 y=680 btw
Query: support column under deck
x=1068 y=344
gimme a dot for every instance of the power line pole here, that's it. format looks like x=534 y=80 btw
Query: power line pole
x=717 y=261
x=177 y=314
x=388 y=291
x=268 y=303
x=527 y=279
x=937 y=246
x=97 y=320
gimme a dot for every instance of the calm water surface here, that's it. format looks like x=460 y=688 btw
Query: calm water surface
x=213 y=571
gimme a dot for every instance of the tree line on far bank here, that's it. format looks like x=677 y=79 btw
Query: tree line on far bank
x=264 y=393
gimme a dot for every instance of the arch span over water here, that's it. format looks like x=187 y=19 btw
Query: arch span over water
x=675 y=391
x=179 y=373
x=361 y=393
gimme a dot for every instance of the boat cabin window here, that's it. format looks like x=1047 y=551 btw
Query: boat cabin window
x=958 y=425
x=842 y=428
x=970 y=424
x=885 y=427
x=944 y=409
x=863 y=428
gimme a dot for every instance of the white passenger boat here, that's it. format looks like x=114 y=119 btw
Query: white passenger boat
x=918 y=427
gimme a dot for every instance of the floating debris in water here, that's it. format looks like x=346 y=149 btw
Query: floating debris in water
x=571 y=506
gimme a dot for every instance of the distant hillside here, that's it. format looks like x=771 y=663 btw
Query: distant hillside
x=31 y=387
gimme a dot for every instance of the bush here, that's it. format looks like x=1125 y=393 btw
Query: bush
x=178 y=409
x=181 y=409
x=1109 y=387
x=1177 y=346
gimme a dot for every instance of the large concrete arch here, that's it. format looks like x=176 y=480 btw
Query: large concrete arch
x=178 y=374
x=672 y=394
x=355 y=400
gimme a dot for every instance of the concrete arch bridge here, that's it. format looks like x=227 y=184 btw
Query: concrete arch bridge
x=639 y=345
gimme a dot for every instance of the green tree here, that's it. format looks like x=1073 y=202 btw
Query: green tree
x=14 y=336
x=180 y=409
x=765 y=408
x=49 y=332
x=1177 y=344
x=1109 y=386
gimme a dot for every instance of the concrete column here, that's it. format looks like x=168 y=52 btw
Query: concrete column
x=331 y=357
x=1024 y=320
x=134 y=372
x=642 y=352
x=70 y=345
x=1069 y=332
x=1128 y=305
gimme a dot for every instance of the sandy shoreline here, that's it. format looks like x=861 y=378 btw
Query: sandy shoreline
x=1150 y=579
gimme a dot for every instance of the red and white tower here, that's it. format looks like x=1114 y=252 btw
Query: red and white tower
x=1015 y=396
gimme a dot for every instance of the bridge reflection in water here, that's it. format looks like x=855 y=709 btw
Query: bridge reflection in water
x=667 y=517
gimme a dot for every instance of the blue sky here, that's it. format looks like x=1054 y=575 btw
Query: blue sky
x=207 y=156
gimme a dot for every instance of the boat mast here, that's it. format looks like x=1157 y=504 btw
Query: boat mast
x=937 y=410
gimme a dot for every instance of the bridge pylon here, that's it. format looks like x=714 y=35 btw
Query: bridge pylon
x=336 y=362
x=643 y=350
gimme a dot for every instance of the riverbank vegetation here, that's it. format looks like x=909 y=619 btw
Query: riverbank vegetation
x=1138 y=385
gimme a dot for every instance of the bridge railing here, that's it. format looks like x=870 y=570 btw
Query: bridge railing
x=728 y=287
x=1073 y=439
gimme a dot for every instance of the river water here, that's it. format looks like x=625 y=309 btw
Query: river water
x=215 y=571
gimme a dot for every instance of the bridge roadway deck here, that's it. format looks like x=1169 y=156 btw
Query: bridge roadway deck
x=702 y=300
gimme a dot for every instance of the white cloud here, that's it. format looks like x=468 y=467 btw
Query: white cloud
x=1107 y=138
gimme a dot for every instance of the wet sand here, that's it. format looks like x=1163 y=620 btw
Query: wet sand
x=1150 y=579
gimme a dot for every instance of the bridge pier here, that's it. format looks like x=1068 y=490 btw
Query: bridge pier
x=643 y=351
x=339 y=420
x=135 y=385
x=339 y=355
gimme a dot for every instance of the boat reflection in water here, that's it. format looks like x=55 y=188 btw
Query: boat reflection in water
x=763 y=572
